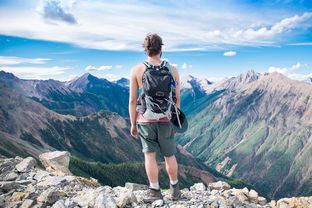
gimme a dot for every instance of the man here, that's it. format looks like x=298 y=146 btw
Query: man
x=155 y=134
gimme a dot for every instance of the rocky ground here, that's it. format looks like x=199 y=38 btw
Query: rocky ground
x=23 y=184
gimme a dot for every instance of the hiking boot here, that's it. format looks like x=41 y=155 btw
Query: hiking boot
x=152 y=195
x=175 y=192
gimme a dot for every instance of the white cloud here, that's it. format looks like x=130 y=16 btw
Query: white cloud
x=229 y=53
x=90 y=68
x=119 y=66
x=186 y=66
x=301 y=44
x=103 y=68
x=300 y=77
x=35 y=72
x=296 y=66
x=13 y=60
x=113 y=77
x=123 y=26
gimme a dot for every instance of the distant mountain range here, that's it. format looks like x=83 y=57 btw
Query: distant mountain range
x=256 y=127
x=29 y=128
x=80 y=97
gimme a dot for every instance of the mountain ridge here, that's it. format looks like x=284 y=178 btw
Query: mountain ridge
x=260 y=126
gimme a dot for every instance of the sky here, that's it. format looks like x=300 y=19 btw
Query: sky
x=54 y=39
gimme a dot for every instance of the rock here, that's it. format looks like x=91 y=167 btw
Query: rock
x=10 y=177
x=235 y=202
x=59 y=204
x=1 y=201
x=26 y=164
x=261 y=200
x=135 y=186
x=253 y=195
x=214 y=192
x=158 y=203
x=240 y=194
x=124 y=196
x=27 y=203
x=52 y=181
x=18 y=196
x=198 y=187
x=40 y=174
x=220 y=185
x=103 y=201
x=56 y=162
x=12 y=185
x=50 y=196
x=70 y=203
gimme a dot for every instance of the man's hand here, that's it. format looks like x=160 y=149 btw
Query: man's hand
x=134 y=131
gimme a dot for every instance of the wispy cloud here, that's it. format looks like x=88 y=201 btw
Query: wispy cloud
x=123 y=25
x=301 y=44
x=287 y=69
x=300 y=77
x=13 y=60
x=229 y=53
x=35 y=72
x=101 y=68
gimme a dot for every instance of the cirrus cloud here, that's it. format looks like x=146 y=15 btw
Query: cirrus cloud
x=107 y=25
x=101 y=68
x=229 y=53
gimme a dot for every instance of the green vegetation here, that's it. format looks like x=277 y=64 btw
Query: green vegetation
x=29 y=138
x=119 y=174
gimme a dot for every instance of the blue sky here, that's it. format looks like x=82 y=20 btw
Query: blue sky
x=42 y=39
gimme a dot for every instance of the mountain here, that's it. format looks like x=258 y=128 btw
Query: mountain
x=257 y=128
x=80 y=97
x=28 y=128
x=124 y=82
x=234 y=82
x=192 y=89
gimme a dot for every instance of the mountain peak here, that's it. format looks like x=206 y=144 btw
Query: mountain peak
x=124 y=82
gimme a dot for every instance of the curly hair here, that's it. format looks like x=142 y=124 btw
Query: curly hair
x=152 y=44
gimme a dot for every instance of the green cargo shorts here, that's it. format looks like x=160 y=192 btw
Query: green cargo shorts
x=157 y=136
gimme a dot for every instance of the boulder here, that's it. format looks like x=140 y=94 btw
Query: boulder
x=220 y=185
x=52 y=181
x=198 y=187
x=26 y=164
x=253 y=195
x=56 y=162
x=135 y=186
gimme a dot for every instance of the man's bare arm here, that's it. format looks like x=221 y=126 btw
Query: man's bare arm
x=177 y=80
x=132 y=101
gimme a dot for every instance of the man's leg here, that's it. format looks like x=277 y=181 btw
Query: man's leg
x=151 y=168
x=172 y=168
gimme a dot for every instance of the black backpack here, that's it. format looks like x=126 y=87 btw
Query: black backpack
x=158 y=97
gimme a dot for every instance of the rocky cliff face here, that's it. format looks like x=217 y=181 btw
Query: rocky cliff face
x=259 y=131
x=22 y=184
